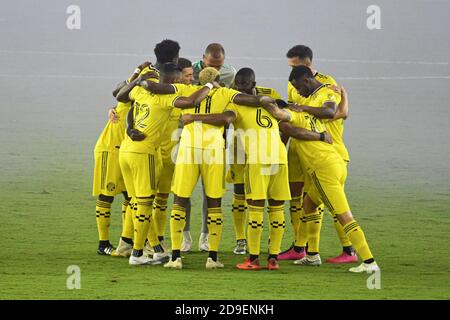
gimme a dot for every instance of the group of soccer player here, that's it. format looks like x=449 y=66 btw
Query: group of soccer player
x=176 y=122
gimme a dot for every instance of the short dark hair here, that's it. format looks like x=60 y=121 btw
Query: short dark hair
x=299 y=72
x=246 y=73
x=214 y=48
x=166 y=51
x=184 y=63
x=300 y=51
x=170 y=68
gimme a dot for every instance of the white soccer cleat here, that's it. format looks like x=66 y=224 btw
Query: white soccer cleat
x=177 y=264
x=123 y=249
x=203 y=244
x=313 y=261
x=137 y=261
x=211 y=264
x=365 y=267
x=160 y=258
x=241 y=247
x=148 y=250
x=186 y=246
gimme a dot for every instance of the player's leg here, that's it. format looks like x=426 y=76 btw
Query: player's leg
x=144 y=168
x=348 y=254
x=125 y=245
x=239 y=210
x=213 y=177
x=103 y=217
x=184 y=180
x=203 y=242
x=186 y=245
x=278 y=193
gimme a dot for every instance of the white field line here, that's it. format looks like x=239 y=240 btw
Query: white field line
x=124 y=54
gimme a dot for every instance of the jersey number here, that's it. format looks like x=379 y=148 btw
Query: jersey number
x=262 y=120
x=141 y=113
x=207 y=105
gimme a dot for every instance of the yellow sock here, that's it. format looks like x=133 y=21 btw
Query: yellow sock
x=160 y=215
x=295 y=209
x=302 y=235
x=239 y=215
x=152 y=235
x=177 y=223
x=345 y=241
x=356 y=236
x=103 y=217
x=255 y=228
x=125 y=205
x=277 y=227
x=313 y=225
x=141 y=222
x=127 y=225
x=215 y=224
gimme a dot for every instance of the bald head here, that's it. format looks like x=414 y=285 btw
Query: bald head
x=214 y=56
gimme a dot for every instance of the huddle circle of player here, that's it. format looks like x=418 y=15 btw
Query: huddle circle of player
x=175 y=122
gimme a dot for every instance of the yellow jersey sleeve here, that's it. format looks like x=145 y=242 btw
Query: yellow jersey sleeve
x=230 y=94
x=135 y=92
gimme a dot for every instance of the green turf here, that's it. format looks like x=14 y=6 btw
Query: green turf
x=48 y=224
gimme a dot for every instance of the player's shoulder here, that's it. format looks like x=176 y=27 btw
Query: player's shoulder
x=325 y=78
x=264 y=91
x=327 y=93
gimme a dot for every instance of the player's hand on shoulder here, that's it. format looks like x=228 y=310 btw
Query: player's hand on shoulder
x=186 y=119
x=216 y=84
x=112 y=115
x=328 y=138
x=143 y=65
x=135 y=135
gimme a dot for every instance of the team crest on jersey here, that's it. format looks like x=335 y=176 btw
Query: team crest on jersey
x=110 y=187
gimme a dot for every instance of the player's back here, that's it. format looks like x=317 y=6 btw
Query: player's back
x=202 y=135
x=151 y=113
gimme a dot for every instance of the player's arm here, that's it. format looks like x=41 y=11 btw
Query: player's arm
x=303 y=134
x=158 y=88
x=123 y=94
x=244 y=99
x=215 y=119
x=135 y=74
x=276 y=112
x=133 y=133
x=327 y=111
x=118 y=87
x=342 y=109
x=194 y=99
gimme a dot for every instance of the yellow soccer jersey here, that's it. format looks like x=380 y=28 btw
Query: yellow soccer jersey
x=334 y=127
x=313 y=154
x=168 y=141
x=270 y=92
x=114 y=133
x=151 y=113
x=259 y=133
x=202 y=135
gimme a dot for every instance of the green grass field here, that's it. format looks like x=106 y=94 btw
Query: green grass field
x=48 y=224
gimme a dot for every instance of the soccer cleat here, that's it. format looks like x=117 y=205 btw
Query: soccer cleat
x=123 y=249
x=105 y=250
x=291 y=254
x=211 y=264
x=203 y=244
x=160 y=258
x=249 y=265
x=186 y=246
x=272 y=264
x=241 y=247
x=148 y=250
x=309 y=261
x=137 y=261
x=343 y=258
x=177 y=264
x=365 y=267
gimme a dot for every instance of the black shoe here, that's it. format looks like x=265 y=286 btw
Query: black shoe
x=105 y=250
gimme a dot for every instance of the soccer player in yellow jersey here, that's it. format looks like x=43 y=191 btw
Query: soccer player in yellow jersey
x=201 y=153
x=108 y=180
x=325 y=168
x=244 y=82
x=139 y=159
x=264 y=168
x=297 y=56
